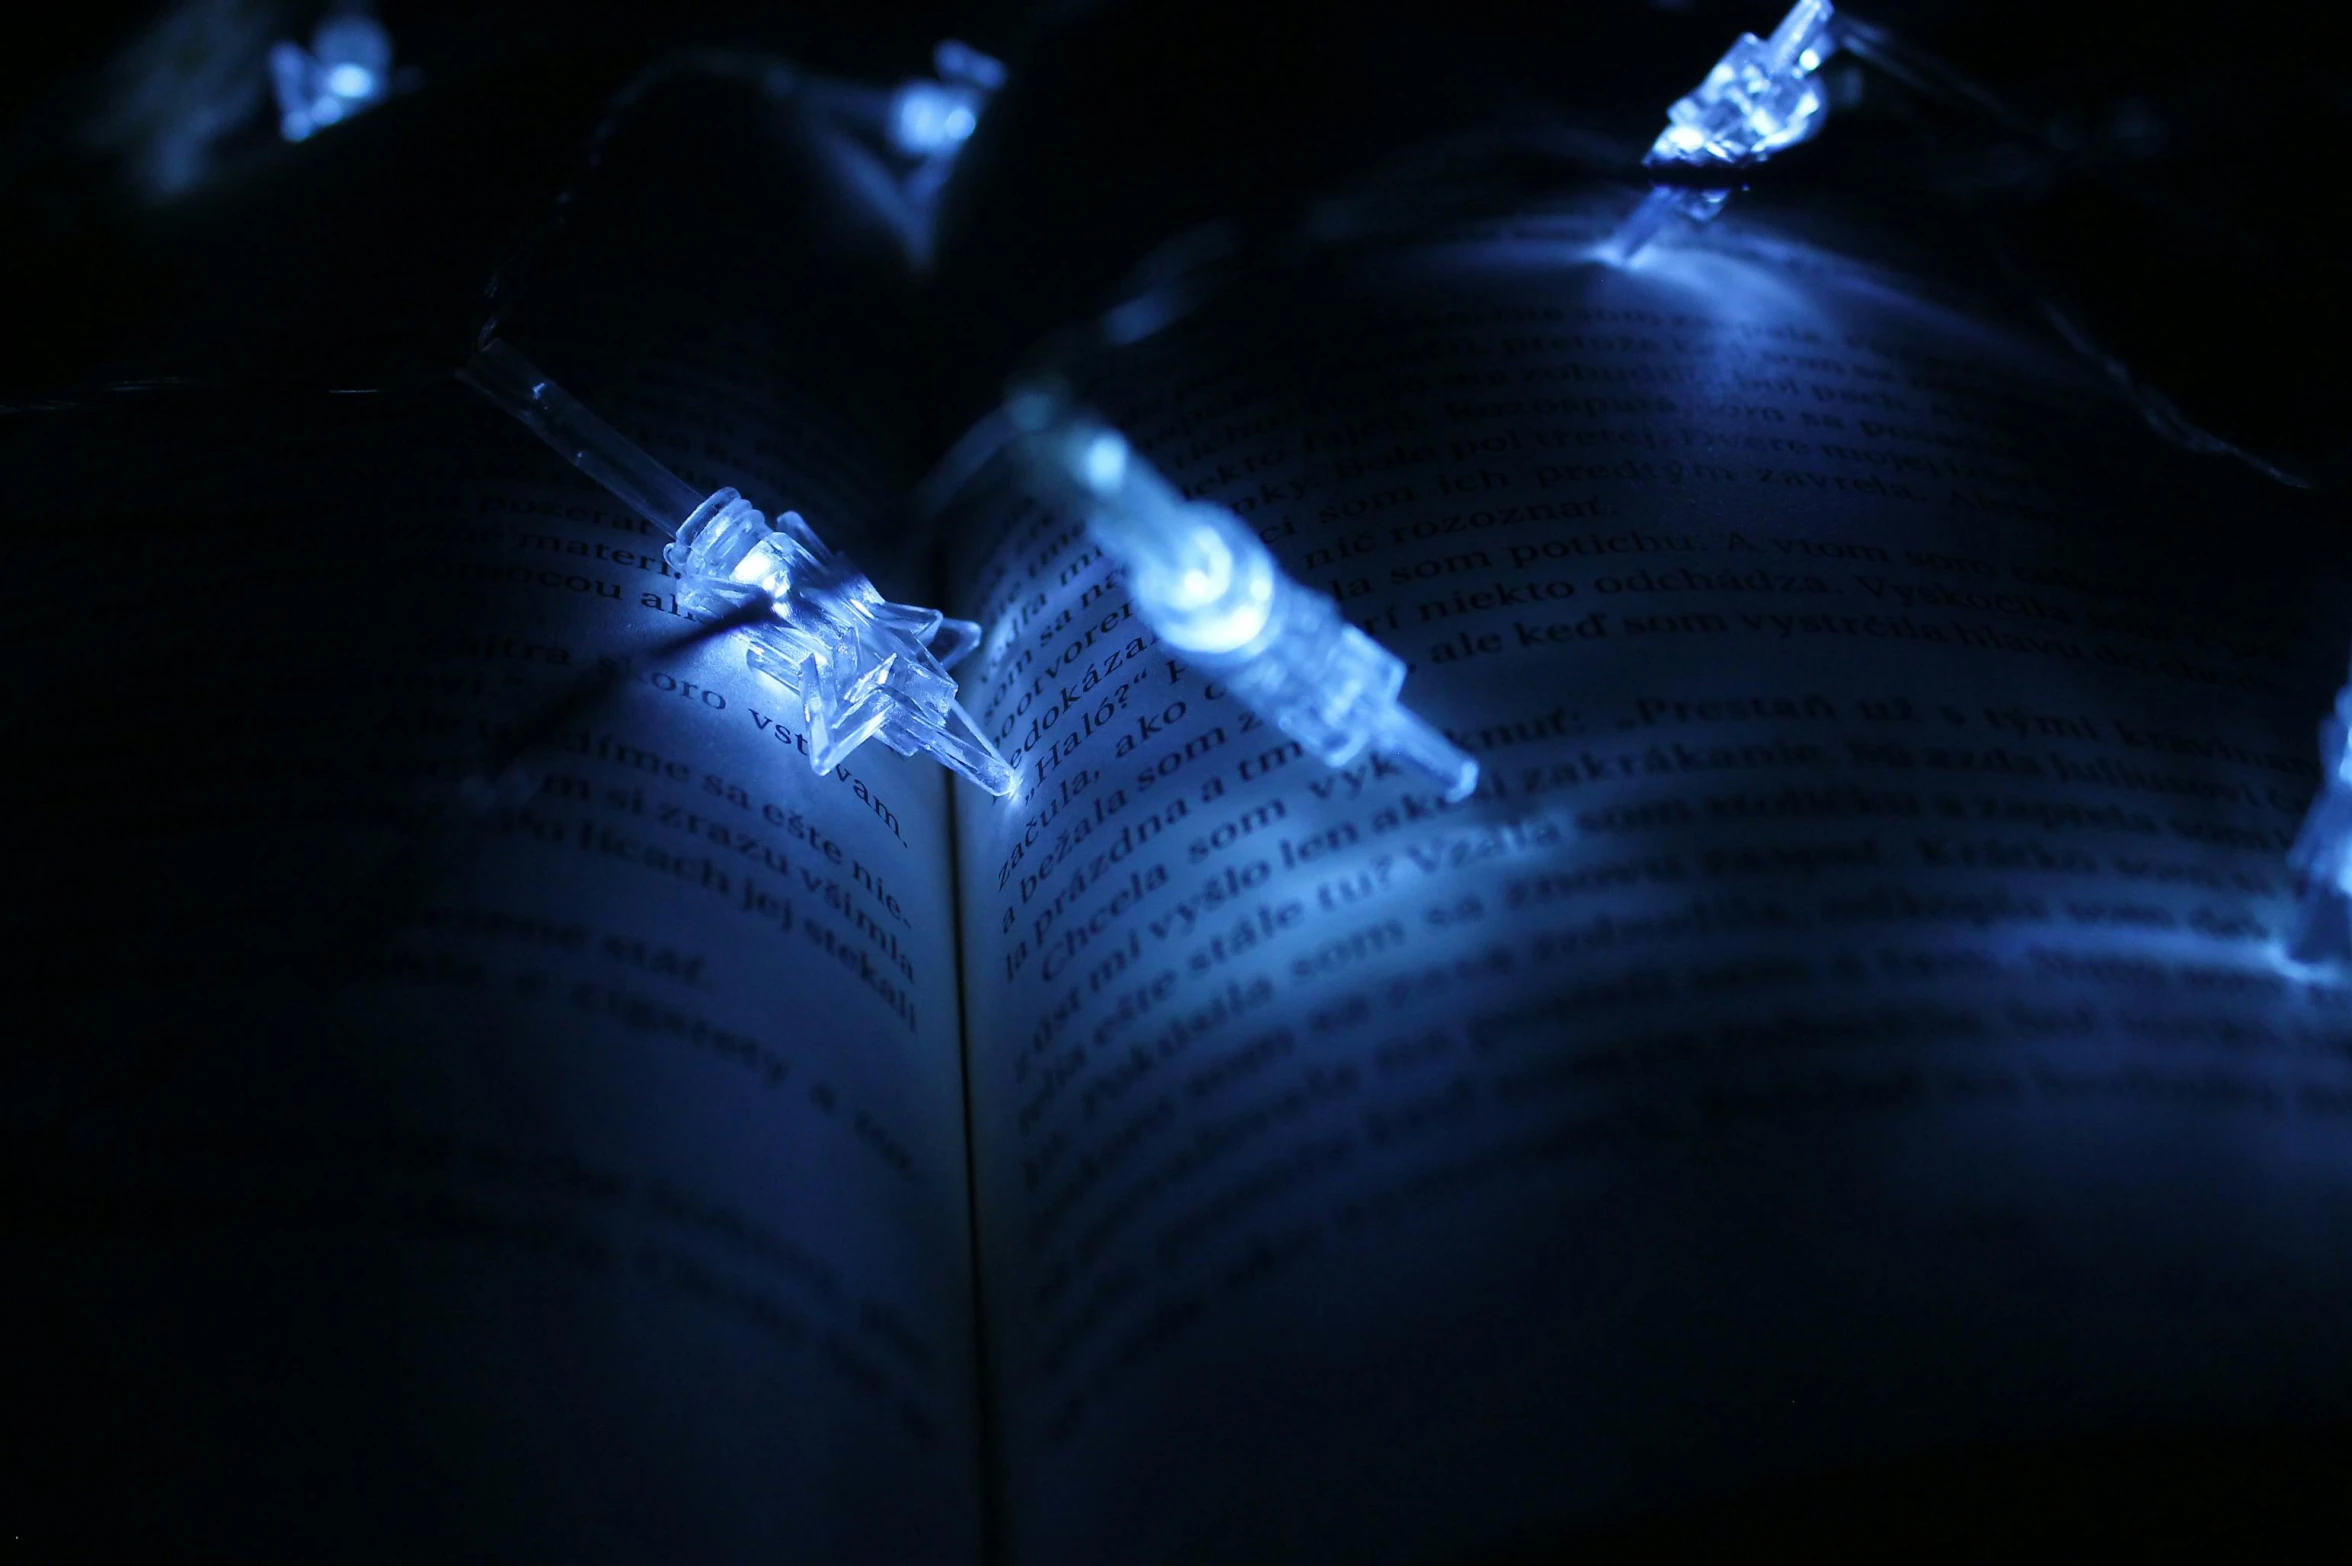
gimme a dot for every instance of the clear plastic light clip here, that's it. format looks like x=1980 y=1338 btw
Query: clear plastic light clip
x=1211 y=589
x=1759 y=100
x=347 y=69
x=863 y=667
x=933 y=119
x=2322 y=852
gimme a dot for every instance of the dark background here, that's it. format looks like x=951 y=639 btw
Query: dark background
x=2166 y=174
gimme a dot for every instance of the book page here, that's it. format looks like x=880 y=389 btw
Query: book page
x=431 y=1159
x=1844 y=1023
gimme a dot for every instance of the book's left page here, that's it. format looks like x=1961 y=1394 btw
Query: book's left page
x=426 y=1157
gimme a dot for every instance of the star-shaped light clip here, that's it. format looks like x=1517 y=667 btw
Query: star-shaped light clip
x=1759 y=100
x=863 y=667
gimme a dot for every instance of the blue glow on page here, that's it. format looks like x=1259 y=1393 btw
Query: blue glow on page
x=1106 y=459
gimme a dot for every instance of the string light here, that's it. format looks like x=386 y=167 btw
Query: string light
x=1759 y=100
x=2322 y=851
x=1211 y=589
x=930 y=119
x=863 y=667
x=346 y=70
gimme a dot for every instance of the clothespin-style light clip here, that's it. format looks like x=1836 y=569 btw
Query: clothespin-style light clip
x=1211 y=589
x=347 y=69
x=863 y=667
x=2322 y=852
x=933 y=119
x=1759 y=100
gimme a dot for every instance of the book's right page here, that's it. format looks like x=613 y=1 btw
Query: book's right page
x=1844 y=1024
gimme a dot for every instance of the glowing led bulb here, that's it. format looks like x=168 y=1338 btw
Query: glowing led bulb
x=1759 y=99
x=1211 y=589
x=2322 y=852
x=863 y=667
x=346 y=69
x=933 y=119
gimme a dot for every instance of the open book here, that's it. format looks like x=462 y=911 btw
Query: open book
x=1841 y=1030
